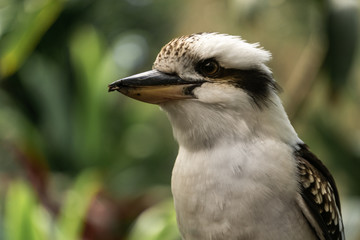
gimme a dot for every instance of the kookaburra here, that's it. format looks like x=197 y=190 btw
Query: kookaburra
x=241 y=171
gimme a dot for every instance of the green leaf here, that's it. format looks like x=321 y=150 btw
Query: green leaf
x=28 y=30
x=24 y=218
x=77 y=202
x=157 y=223
x=94 y=70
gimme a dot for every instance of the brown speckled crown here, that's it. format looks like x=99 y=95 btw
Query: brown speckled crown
x=177 y=50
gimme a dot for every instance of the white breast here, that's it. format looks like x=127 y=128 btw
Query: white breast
x=220 y=192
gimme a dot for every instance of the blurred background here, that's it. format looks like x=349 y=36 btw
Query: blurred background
x=79 y=163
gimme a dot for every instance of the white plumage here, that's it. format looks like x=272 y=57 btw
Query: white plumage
x=241 y=171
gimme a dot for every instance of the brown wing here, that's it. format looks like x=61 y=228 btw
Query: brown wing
x=320 y=195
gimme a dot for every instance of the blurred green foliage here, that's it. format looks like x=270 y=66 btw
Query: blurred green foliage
x=79 y=163
x=159 y=222
x=25 y=218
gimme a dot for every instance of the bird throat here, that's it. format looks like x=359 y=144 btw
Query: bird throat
x=199 y=126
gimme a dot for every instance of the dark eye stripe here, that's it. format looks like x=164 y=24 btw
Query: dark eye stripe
x=255 y=82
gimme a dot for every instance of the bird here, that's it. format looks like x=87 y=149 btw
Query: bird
x=241 y=171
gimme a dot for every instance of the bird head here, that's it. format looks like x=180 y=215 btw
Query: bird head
x=207 y=78
x=189 y=65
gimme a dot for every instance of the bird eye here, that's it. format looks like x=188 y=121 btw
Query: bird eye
x=209 y=67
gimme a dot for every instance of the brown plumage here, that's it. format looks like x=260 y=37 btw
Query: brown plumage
x=320 y=194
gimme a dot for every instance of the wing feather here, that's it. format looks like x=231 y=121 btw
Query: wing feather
x=319 y=200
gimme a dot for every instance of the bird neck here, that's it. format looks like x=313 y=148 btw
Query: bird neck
x=198 y=125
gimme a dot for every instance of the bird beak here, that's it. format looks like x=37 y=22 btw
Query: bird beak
x=154 y=87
